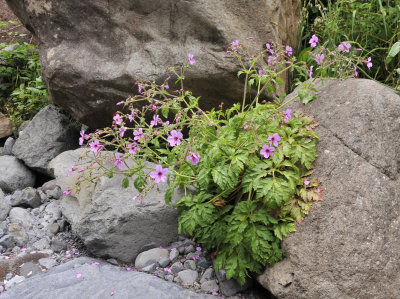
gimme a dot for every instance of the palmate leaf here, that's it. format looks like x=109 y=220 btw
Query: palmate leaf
x=296 y=208
x=225 y=176
x=303 y=150
x=283 y=229
x=275 y=191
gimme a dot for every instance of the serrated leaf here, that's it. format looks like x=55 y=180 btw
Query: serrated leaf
x=125 y=182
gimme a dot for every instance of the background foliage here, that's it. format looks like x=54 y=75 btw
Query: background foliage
x=373 y=25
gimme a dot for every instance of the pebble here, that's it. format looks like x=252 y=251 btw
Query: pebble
x=188 y=277
x=47 y=262
x=174 y=254
x=210 y=286
x=207 y=275
x=190 y=264
x=164 y=262
x=13 y=281
x=189 y=249
x=113 y=262
x=177 y=267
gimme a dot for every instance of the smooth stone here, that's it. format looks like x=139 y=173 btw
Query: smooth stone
x=47 y=262
x=188 y=277
x=150 y=256
x=164 y=262
x=190 y=264
x=210 y=286
x=207 y=275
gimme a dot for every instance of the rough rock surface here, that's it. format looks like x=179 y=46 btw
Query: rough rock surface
x=14 y=174
x=5 y=206
x=5 y=126
x=347 y=247
x=96 y=281
x=47 y=135
x=90 y=58
x=107 y=219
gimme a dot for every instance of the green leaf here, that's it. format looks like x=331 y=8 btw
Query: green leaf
x=169 y=194
x=394 y=50
x=125 y=182
x=283 y=229
x=139 y=183
x=165 y=112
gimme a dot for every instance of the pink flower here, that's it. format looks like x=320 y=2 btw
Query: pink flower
x=306 y=183
x=287 y=115
x=267 y=151
x=313 y=41
x=133 y=148
x=310 y=72
x=95 y=263
x=95 y=146
x=131 y=115
x=122 y=131
x=234 y=45
x=159 y=175
x=66 y=192
x=355 y=71
x=134 y=198
x=369 y=63
x=245 y=128
x=117 y=118
x=319 y=58
x=214 y=293
x=118 y=161
x=119 y=103
x=140 y=89
x=191 y=59
x=23 y=249
x=269 y=48
x=288 y=50
x=272 y=60
x=82 y=138
x=128 y=269
x=154 y=107
x=198 y=248
x=71 y=169
x=166 y=86
x=344 y=47
x=168 y=270
x=166 y=123
x=112 y=293
x=138 y=134
x=78 y=275
x=175 y=138
x=194 y=158
x=274 y=139
x=154 y=122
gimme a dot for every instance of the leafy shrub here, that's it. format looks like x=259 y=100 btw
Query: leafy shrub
x=372 y=25
x=250 y=164
x=22 y=92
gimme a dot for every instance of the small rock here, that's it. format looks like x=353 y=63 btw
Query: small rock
x=19 y=233
x=50 y=185
x=164 y=262
x=14 y=174
x=29 y=269
x=13 y=281
x=35 y=212
x=193 y=255
x=58 y=245
x=22 y=216
x=55 y=193
x=150 y=256
x=7 y=150
x=28 y=197
x=204 y=263
x=188 y=277
x=169 y=277
x=53 y=228
x=47 y=262
x=190 y=264
x=189 y=248
x=42 y=244
x=181 y=250
x=5 y=206
x=9 y=276
x=177 y=267
x=7 y=241
x=150 y=268
x=113 y=262
x=207 y=275
x=231 y=287
x=210 y=286
x=173 y=254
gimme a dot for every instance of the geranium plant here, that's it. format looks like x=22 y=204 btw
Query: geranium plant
x=250 y=164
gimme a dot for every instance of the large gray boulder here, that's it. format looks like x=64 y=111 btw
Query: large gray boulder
x=109 y=222
x=48 y=134
x=90 y=58
x=97 y=282
x=348 y=246
x=14 y=174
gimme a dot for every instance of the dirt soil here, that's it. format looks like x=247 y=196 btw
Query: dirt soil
x=11 y=34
